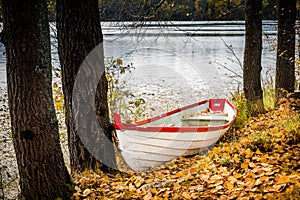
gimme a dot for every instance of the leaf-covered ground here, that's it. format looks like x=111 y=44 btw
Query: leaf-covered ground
x=259 y=161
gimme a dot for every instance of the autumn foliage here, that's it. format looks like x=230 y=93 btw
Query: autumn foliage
x=259 y=161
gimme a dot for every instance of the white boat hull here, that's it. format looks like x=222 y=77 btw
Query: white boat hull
x=150 y=143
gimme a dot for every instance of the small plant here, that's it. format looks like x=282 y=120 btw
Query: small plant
x=268 y=85
x=120 y=100
x=58 y=95
x=261 y=141
x=239 y=101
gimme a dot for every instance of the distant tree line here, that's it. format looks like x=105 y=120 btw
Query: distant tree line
x=177 y=10
x=190 y=10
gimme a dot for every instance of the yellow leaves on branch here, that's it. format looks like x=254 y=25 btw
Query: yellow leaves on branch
x=59 y=105
x=118 y=62
x=58 y=98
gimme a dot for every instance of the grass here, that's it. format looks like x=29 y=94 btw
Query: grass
x=239 y=101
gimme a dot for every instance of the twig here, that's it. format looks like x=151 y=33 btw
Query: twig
x=233 y=53
x=238 y=75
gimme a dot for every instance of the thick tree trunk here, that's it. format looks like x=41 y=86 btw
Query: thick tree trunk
x=285 y=61
x=79 y=32
x=252 y=58
x=43 y=174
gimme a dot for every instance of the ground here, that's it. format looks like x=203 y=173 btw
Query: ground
x=260 y=160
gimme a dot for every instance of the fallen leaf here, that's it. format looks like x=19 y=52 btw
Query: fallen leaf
x=237 y=175
x=248 y=153
x=77 y=188
x=258 y=152
x=86 y=192
x=244 y=165
x=138 y=182
x=186 y=195
x=252 y=165
x=176 y=186
x=282 y=180
x=179 y=174
x=193 y=170
x=148 y=196
x=228 y=185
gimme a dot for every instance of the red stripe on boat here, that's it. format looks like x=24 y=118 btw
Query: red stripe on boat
x=214 y=104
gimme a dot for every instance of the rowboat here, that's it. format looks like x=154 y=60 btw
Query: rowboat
x=185 y=131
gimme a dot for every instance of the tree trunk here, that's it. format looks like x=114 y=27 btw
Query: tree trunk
x=79 y=32
x=252 y=58
x=43 y=174
x=285 y=61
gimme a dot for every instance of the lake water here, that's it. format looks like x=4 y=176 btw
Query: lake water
x=180 y=62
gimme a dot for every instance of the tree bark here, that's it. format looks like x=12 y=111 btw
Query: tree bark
x=43 y=174
x=252 y=58
x=285 y=61
x=79 y=32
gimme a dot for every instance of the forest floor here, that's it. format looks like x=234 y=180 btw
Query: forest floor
x=261 y=160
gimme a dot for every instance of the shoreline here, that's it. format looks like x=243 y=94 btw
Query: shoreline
x=9 y=175
x=8 y=162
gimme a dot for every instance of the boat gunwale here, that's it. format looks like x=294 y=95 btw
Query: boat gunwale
x=119 y=125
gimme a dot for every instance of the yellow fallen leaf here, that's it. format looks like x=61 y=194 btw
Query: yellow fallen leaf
x=148 y=196
x=232 y=179
x=138 y=182
x=237 y=147
x=127 y=195
x=249 y=180
x=258 y=182
x=186 y=195
x=228 y=185
x=244 y=165
x=252 y=165
x=248 y=153
x=153 y=190
x=205 y=177
x=264 y=178
x=131 y=188
x=86 y=192
x=179 y=174
x=258 y=152
x=215 y=150
x=236 y=158
x=193 y=170
x=77 y=188
x=176 y=186
x=150 y=180
x=228 y=149
x=226 y=144
x=283 y=180
x=289 y=190
x=252 y=175
x=276 y=188
x=237 y=175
